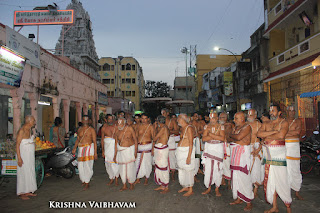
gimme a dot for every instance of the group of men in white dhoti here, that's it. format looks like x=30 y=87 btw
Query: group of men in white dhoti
x=246 y=153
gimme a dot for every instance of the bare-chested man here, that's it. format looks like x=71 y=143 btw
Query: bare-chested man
x=145 y=133
x=87 y=153
x=185 y=155
x=137 y=121
x=228 y=126
x=265 y=117
x=212 y=158
x=25 y=148
x=161 y=155
x=275 y=182
x=126 y=153
x=174 y=131
x=197 y=135
x=256 y=167
x=240 y=140
x=108 y=146
x=293 y=151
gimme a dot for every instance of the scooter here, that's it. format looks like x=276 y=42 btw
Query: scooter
x=310 y=153
x=62 y=163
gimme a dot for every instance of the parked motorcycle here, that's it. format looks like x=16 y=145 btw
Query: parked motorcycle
x=62 y=163
x=310 y=153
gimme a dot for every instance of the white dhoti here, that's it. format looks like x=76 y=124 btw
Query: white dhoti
x=226 y=161
x=126 y=161
x=161 y=171
x=85 y=162
x=111 y=167
x=240 y=176
x=212 y=160
x=293 y=163
x=257 y=169
x=144 y=161
x=196 y=147
x=26 y=174
x=275 y=180
x=185 y=171
x=172 y=155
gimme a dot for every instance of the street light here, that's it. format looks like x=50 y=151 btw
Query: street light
x=185 y=50
x=219 y=48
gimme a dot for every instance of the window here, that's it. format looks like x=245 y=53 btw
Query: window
x=112 y=67
x=106 y=67
x=123 y=80
x=133 y=93
x=128 y=93
x=133 y=80
x=123 y=67
x=112 y=93
x=106 y=81
x=128 y=80
x=133 y=67
x=112 y=81
x=122 y=93
x=128 y=66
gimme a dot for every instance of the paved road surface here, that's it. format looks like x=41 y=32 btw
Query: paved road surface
x=147 y=200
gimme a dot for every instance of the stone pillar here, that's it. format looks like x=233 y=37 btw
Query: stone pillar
x=56 y=106
x=34 y=97
x=85 y=108
x=66 y=110
x=79 y=111
x=17 y=95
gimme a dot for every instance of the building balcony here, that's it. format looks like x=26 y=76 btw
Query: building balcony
x=304 y=49
x=280 y=10
x=301 y=56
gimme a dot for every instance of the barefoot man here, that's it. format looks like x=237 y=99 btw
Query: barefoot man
x=274 y=151
x=25 y=148
x=174 y=130
x=161 y=155
x=212 y=158
x=293 y=151
x=145 y=133
x=125 y=153
x=87 y=153
x=240 y=139
x=256 y=168
x=228 y=127
x=185 y=154
x=108 y=135
x=198 y=131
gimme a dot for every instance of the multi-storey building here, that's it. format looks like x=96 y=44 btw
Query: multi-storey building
x=205 y=64
x=293 y=30
x=182 y=88
x=124 y=78
x=258 y=55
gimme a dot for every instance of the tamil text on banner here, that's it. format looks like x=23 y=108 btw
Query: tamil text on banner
x=11 y=67
x=23 y=46
x=43 y=17
x=9 y=167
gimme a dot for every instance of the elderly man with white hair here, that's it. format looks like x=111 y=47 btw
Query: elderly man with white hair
x=185 y=155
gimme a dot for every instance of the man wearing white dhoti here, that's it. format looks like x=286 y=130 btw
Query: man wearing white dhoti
x=274 y=151
x=293 y=151
x=256 y=167
x=108 y=147
x=240 y=140
x=125 y=153
x=87 y=153
x=145 y=134
x=185 y=155
x=196 y=141
x=212 y=157
x=174 y=130
x=25 y=148
x=161 y=154
x=228 y=127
